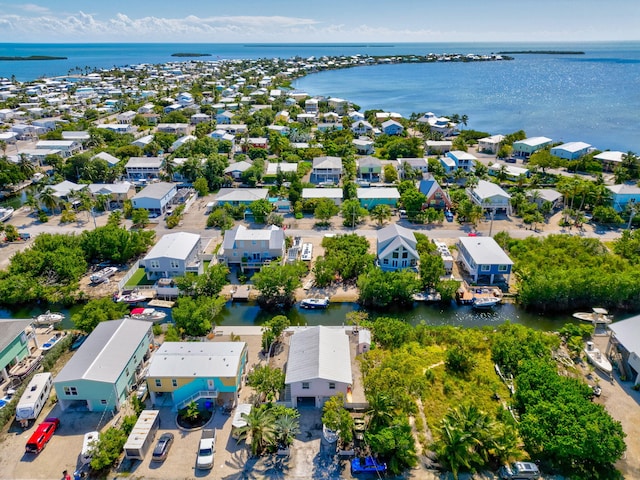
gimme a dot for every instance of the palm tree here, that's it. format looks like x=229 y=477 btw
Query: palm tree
x=287 y=428
x=259 y=431
x=48 y=198
x=170 y=167
x=502 y=174
x=381 y=213
x=26 y=167
x=381 y=411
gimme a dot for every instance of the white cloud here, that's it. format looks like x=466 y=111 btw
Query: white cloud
x=33 y=8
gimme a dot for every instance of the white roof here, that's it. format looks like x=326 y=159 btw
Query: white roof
x=534 y=141
x=547 y=194
x=610 y=156
x=272 y=234
x=460 y=155
x=107 y=157
x=106 y=352
x=241 y=166
x=485 y=251
x=624 y=189
x=627 y=332
x=489 y=189
x=121 y=187
x=241 y=194
x=197 y=359
x=322 y=193
x=492 y=139
x=572 y=146
x=327 y=162
x=174 y=245
x=273 y=168
x=155 y=190
x=65 y=187
x=319 y=353
x=144 y=162
x=510 y=169
x=378 y=192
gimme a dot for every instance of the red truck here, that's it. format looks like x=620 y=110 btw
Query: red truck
x=42 y=435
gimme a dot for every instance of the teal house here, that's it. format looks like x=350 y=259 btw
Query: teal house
x=14 y=344
x=371 y=197
x=103 y=371
x=184 y=372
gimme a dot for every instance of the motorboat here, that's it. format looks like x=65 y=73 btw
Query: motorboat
x=103 y=275
x=367 y=465
x=48 y=318
x=149 y=314
x=6 y=213
x=314 y=303
x=49 y=344
x=25 y=366
x=131 y=298
x=595 y=356
x=428 y=296
x=597 y=315
x=485 y=303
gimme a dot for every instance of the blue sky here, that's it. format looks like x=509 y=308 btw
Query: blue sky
x=318 y=21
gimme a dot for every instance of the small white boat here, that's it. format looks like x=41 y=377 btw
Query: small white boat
x=88 y=444
x=483 y=303
x=48 y=318
x=595 y=356
x=6 y=213
x=598 y=315
x=429 y=296
x=149 y=314
x=130 y=298
x=314 y=303
x=49 y=344
x=103 y=275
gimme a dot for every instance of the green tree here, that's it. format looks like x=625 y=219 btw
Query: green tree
x=287 y=428
x=108 y=448
x=96 y=311
x=381 y=214
x=379 y=288
x=396 y=445
x=277 y=283
x=431 y=269
x=201 y=186
x=195 y=317
x=325 y=209
x=335 y=417
x=273 y=329
x=259 y=431
x=412 y=200
x=352 y=213
x=390 y=173
x=260 y=209
x=140 y=217
x=221 y=219
x=209 y=284
x=267 y=381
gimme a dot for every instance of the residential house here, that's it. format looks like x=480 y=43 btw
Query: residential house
x=175 y=128
x=66 y=189
x=334 y=194
x=120 y=128
x=485 y=261
x=118 y=193
x=512 y=172
x=225 y=118
x=369 y=168
x=412 y=164
x=143 y=141
x=524 y=148
x=155 y=197
x=610 y=159
x=282 y=116
x=624 y=343
x=9 y=138
x=81 y=137
x=362 y=127
x=254 y=142
x=462 y=160
x=14 y=345
x=105 y=368
x=308 y=118
x=338 y=105
x=571 y=150
x=273 y=168
x=438 y=146
x=490 y=197
x=197 y=118
x=311 y=106
x=219 y=134
x=396 y=248
x=326 y=169
x=490 y=144
x=624 y=195
x=541 y=195
x=65 y=148
x=318 y=366
x=383 y=116
x=391 y=127
x=181 y=372
x=143 y=168
x=126 y=117
x=371 y=197
x=107 y=157
x=181 y=141
x=233 y=128
x=235 y=170
x=174 y=255
x=185 y=99
x=252 y=248
x=240 y=196
x=436 y=197
x=364 y=146
x=441 y=125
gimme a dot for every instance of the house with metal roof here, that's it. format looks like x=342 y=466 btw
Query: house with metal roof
x=623 y=195
x=105 y=368
x=391 y=127
x=541 y=195
x=235 y=170
x=369 y=168
x=174 y=255
x=438 y=146
x=14 y=344
x=484 y=260
x=490 y=144
x=412 y=164
x=143 y=168
x=65 y=148
x=571 y=150
x=364 y=146
x=371 y=197
x=240 y=196
x=318 y=366
x=609 y=159
x=181 y=372
x=326 y=169
x=155 y=197
x=511 y=171
x=624 y=346
x=117 y=192
x=107 y=157
x=334 y=194
x=461 y=160
x=252 y=248
x=524 y=148
x=396 y=248
x=490 y=197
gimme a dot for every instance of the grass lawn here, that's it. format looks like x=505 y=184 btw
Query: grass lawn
x=138 y=279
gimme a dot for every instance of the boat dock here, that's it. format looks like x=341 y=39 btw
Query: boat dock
x=240 y=293
x=161 y=303
x=467 y=294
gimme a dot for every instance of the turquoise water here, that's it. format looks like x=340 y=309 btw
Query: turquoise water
x=592 y=98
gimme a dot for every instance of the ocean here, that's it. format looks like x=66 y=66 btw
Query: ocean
x=594 y=98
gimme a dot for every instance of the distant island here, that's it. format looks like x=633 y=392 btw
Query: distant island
x=187 y=54
x=32 y=57
x=543 y=52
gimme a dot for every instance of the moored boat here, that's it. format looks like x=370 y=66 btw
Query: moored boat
x=6 y=213
x=131 y=298
x=595 y=356
x=149 y=314
x=598 y=315
x=49 y=344
x=484 y=303
x=25 y=366
x=314 y=303
x=48 y=318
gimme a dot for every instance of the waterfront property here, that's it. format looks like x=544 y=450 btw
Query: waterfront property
x=524 y=148
x=117 y=192
x=181 y=372
x=490 y=144
x=14 y=345
x=610 y=160
x=571 y=150
x=249 y=248
x=396 y=248
x=484 y=260
x=173 y=256
x=318 y=366
x=371 y=197
x=103 y=370
x=623 y=195
x=364 y=146
x=155 y=197
x=624 y=346
x=490 y=197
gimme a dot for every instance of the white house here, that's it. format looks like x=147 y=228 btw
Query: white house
x=421 y=164
x=490 y=197
x=334 y=194
x=490 y=144
x=174 y=255
x=361 y=127
x=318 y=365
x=155 y=197
x=326 y=169
x=143 y=168
x=438 y=146
x=571 y=150
x=512 y=172
x=249 y=248
x=66 y=148
x=396 y=248
x=462 y=160
x=240 y=196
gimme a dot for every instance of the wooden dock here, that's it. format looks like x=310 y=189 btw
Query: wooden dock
x=467 y=294
x=240 y=293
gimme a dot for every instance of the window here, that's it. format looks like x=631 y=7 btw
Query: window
x=174 y=382
x=155 y=263
x=485 y=268
x=502 y=268
x=405 y=254
x=305 y=385
x=332 y=386
x=103 y=402
x=395 y=255
x=70 y=391
x=174 y=264
x=158 y=382
x=385 y=261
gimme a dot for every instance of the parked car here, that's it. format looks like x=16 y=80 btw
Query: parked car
x=162 y=447
x=42 y=435
x=142 y=391
x=520 y=471
x=448 y=215
x=206 y=449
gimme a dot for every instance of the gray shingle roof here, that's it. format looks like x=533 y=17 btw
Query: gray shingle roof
x=9 y=330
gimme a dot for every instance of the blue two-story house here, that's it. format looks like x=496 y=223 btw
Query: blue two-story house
x=485 y=261
x=623 y=195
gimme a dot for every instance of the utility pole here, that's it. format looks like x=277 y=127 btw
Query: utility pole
x=632 y=208
x=493 y=212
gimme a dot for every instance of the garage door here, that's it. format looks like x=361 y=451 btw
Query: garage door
x=306 y=402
